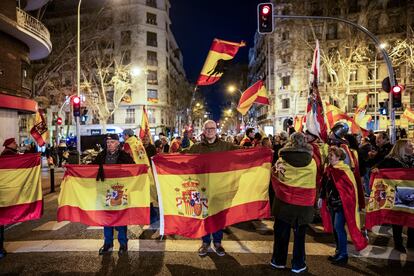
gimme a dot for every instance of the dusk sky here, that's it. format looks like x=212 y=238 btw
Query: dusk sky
x=196 y=23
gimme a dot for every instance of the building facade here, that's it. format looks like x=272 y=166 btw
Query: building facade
x=351 y=66
x=137 y=34
x=23 y=39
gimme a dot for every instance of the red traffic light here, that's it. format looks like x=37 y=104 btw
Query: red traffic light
x=265 y=9
x=396 y=89
x=76 y=100
x=59 y=121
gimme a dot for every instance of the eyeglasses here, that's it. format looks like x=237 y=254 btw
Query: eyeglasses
x=210 y=128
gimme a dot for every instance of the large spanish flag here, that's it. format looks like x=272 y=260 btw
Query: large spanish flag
x=202 y=193
x=221 y=52
x=39 y=130
x=20 y=188
x=254 y=94
x=409 y=114
x=144 y=129
x=346 y=185
x=335 y=114
x=122 y=199
x=392 y=198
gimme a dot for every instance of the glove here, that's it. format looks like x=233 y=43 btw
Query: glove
x=319 y=203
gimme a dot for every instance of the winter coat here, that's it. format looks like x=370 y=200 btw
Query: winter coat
x=123 y=158
x=216 y=146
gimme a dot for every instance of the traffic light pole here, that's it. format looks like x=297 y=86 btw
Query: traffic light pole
x=377 y=44
x=78 y=140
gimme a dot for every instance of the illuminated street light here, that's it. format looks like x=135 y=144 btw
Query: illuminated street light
x=198 y=104
x=136 y=71
x=383 y=45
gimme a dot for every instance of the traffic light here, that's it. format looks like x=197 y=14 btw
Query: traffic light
x=396 y=92
x=383 y=108
x=76 y=106
x=265 y=18
x=59 y=121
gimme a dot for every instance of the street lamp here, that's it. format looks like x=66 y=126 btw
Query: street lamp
x=382 y=46
x=78 y=139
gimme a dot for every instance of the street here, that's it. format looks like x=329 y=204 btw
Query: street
x=47 y=247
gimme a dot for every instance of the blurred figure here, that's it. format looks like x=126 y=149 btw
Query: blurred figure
x=266 y=143
x=230 y=139
x=247 y=140
x=175 y=145
x=165 y=146
x=257 y=139
x=364 y=168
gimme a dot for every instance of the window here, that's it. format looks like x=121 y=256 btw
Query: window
x=152 y=58
x=125 y=17
x=332 y=31
x=111 y=119
x=352 y=102
x=151 y=39
x=126 y=38
x=130 y=116
x=152 y=3
x=151 y=18
x=151 y=116
x=285 y=103
x=372 y=74
x=126 y=57
x=371 y=103
x=152 y=77
x=26 y=79
x=286 y=80
x=353 y=75
x=285 y=35
x=152 y=95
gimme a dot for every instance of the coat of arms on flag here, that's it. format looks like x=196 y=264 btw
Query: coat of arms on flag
x=191 y=199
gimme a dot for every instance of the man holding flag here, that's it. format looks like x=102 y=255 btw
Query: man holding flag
x=211 y=143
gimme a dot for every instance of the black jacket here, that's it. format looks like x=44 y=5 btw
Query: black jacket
x=123 y=158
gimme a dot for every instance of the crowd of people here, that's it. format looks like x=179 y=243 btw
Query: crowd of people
x=310 y=178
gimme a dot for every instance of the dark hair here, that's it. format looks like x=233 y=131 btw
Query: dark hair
x=384 y=135
x=257 y=136
x=338 y=152
x=249 y=130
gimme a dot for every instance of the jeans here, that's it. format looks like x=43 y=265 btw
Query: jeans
x=109 y=234
x=217 y=237
x=366 y=181
x=281 y=244
x=338 y=222
x=154 y=214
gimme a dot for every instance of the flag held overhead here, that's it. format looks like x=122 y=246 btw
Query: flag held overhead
x=254 y=94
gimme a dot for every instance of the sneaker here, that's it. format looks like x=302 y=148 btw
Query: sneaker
x=106 y=248
x=299 y=270
x=274 y=265
x=123 y=248
x=203 y=250
x=219 y=249
x=341 y=260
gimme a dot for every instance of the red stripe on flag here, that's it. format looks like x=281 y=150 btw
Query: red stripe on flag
x=225 y=47
x=294 y=195
x=262 y=100
x=206 y=80
x=251 y=91
x=110 y=171
x=212 y=162
x=196 y=228
x=20 y=161
x=389 y=217
x=21 y=212
x=400 y=174
x=130 y=216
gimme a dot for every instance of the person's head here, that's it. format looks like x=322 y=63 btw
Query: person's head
x=158 y=144
x=146 y=140
x=128 y=133
x=365 y=140
x=340 y=129
x=112 y=143
x=283 y=136
x=164 y=140
x=250 y=132
x=310 y=137
x=229 y=139
x=336 y=154
x=209 y=130
x=382 y=138
x=161 y=135
x=10 y=143
x=257 y=136
x=401 y=149
x=266 y=143
x=352 y=141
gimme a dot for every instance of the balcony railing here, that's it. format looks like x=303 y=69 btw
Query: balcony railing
x=31 y=24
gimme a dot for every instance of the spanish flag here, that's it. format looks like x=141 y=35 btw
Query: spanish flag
x=254 y=94
x=360 y=111
x=218 y=59
x=202 y=193
x=145 y=129
x=20 y=188
x=409 y=114
x=334 y=114
x=122 y=199
x=298 y=123
x=346 y=185
x=39 y=130
x=392 y=198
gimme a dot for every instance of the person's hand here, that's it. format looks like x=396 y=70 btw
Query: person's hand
x=372 y=153
x=374 y=170
x=279 y=168
x=319 y=204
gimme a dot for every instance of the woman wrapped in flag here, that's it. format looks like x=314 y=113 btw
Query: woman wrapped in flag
x=339 y=196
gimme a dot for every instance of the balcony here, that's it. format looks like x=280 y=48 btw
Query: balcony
x=30 y=31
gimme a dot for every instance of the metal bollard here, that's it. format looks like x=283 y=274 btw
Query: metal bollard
x=52 y=179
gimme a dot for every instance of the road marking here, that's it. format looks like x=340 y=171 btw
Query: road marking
x=255 y=247
x=51 y=226
x=94 y=228
x=316 y=228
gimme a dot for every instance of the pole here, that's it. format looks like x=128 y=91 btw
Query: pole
x=52 y=178
x=375 y=93
x=377 y=44
x=78 y=138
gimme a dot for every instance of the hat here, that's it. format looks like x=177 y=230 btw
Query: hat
x=112 y=136
x=9 y=142
x=128 y=132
